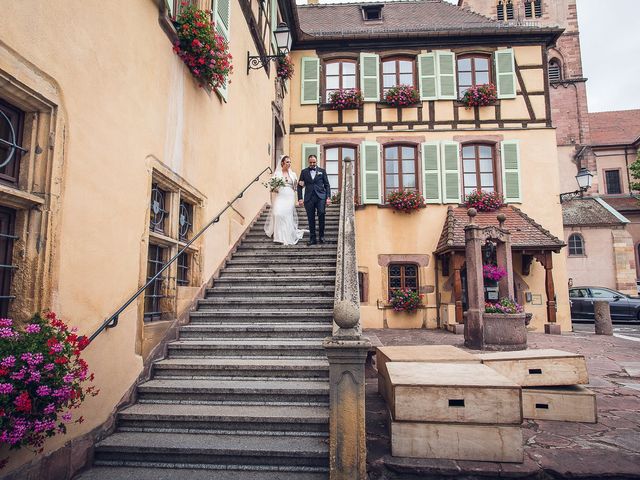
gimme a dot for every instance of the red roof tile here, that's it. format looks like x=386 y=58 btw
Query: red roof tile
x=614 y=128
x=587 y=212
x=526 y=233
x=623 y=203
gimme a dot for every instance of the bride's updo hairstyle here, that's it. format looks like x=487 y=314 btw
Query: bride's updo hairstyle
x=283 y=159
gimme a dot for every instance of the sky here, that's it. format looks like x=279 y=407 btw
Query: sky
x=610 y=43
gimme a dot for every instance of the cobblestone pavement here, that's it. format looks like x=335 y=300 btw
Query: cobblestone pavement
x=553 y=450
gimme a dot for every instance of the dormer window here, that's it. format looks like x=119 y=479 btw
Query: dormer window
x=533 y=8
x=504 y=10
x=372 y=12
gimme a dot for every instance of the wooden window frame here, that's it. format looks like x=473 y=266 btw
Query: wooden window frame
x=399 y=160
x=473 y=56
x=323 y=79
x=403 y=276
x=398 y=58
x=583 y=249
x=606 y=184
x=356 y=163
x=16 y=117
x=494 y=163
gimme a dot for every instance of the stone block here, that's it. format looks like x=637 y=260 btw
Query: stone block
x=488 y=443
x=451 y=393
x=552 y=329
x=568 y=404
x=539 y=368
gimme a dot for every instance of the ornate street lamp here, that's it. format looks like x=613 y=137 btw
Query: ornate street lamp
x=584 y=179
x=283 y=44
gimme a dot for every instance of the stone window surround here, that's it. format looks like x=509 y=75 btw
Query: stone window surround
x=606 y=185
x=36 y=197
x=421 y=260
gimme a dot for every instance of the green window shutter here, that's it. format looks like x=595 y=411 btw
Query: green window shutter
x=510 y=150
x=450 y=171
x=431 y=172
x=446 y=63
x=310 y=149
x=274 y=25
x=505 y=73
x=222 y=17
x=428 y=76
x=371 y=173
x=310 y=81
x=370 y=77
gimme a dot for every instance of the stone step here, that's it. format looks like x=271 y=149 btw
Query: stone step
x=236 y=391
x=247 y=419
x=239 y=347
x=256 y=330
x=307 y=263
x=270 y=246
x=254 y=234
x=289 y=302
x=151 y=473
x=240 y=277
x=259 y=452
x=290 y=368
x=220 y=315
x=308 y=254
x=271 y=291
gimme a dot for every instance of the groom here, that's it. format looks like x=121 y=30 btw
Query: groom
x=317 y=195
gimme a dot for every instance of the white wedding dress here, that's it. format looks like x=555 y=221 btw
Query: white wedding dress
x=282 y=223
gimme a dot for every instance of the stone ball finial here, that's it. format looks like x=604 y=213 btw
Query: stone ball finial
x=346 y=314
x=501 y=218
x=472 y=212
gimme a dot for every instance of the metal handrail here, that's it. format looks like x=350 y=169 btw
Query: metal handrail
x=112 y=321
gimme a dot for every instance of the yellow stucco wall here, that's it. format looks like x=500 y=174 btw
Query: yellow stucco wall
x=130 y=102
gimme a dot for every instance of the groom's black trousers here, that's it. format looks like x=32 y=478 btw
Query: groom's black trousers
x=312 y=205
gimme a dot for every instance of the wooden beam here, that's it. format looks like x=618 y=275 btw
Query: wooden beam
x=458 y=263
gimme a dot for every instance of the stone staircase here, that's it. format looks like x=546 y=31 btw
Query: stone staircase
x=244 y=392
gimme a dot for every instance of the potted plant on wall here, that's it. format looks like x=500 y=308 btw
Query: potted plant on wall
x=484 y=201
x=479 y=96
x=406 y=201
x=201 y=48
x=405 y=300
x=402 y=96
x=346 y=99
x=285 y=67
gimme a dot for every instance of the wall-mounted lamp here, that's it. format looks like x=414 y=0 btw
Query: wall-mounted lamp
x=584 y=179
x=283 y=44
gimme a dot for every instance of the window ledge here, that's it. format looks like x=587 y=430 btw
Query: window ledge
x=327 y=107
x=458 y=103
x=14 y=198
x=383 y=105
x=161 y=239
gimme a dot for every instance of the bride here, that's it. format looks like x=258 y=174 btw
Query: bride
x=282 y=222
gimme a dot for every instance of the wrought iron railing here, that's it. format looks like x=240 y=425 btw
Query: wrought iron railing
x=112 y=321
x=346 y=302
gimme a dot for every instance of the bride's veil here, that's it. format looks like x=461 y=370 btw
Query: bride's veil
x=268 y=226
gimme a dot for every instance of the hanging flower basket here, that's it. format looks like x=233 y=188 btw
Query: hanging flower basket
x=345 y=99
x=406 y=200
x=402 y=96
x=285 y=67
x=201 y=48
x=405 y=300
x=484 y=201
x=505 y=306
x=42 y=378
x=479 y=96
x=493 y=272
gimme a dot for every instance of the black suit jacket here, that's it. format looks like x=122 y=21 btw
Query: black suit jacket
x=318 y=185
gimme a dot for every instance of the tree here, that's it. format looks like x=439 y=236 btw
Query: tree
x=634 y=168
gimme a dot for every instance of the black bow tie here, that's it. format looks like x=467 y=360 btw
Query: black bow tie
x=312 y=168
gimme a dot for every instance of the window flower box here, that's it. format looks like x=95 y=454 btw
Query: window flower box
x=201 y=48
x=405 y=300
x=406 y=200
x=345 y=99
x=402 y=96
x=479 y=96
x=484 y=201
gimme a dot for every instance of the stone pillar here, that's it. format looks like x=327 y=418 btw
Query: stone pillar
x=505 y=260
x=602 y=313
x=347 y=435
x=473 y=327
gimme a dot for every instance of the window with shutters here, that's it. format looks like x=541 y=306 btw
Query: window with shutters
x=504 y=10
x=339 y=75
x=478 y=168
x=533 y=8
x=576 y=245
x=333 y=163
x=397 y=71
x=473 y=70
x=612 y=182
x=403 y=275
x=400 y=167
x=554 y=71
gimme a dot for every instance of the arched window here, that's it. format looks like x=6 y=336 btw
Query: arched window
x=576 y=244
x=555 y=72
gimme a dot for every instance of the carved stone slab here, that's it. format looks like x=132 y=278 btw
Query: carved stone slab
x=567 y=404
x=539 y=368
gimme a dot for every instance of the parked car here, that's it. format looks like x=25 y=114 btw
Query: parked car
x=624 y=308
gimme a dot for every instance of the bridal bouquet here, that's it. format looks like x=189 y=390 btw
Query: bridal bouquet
x=274 y=184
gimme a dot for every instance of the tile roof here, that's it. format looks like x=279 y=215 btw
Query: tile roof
x=526 y=233
x=614 y=128
x=625 y=203
x=435 y=17
x=587 y=212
